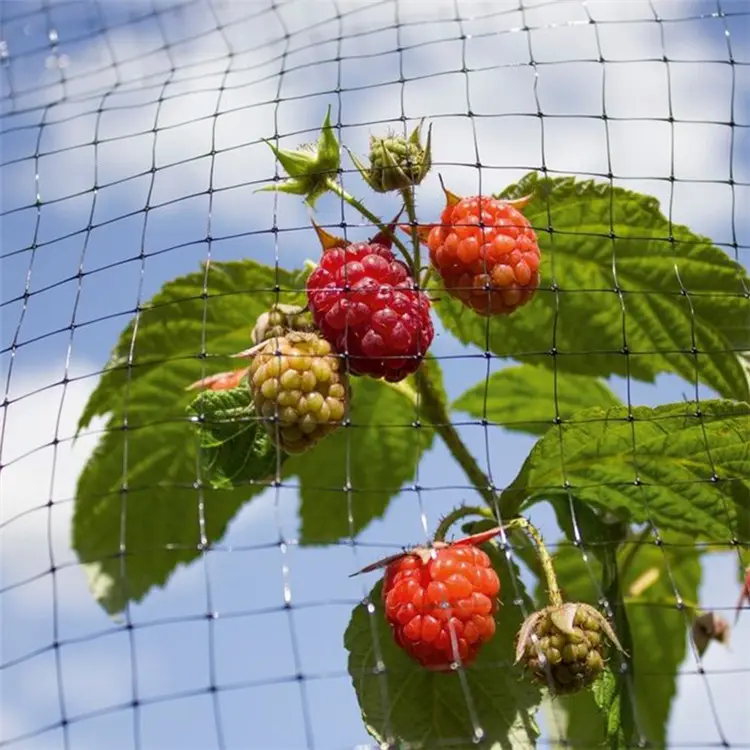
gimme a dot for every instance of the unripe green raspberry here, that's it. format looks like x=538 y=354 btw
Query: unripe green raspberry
x=563 y=647
x=396 y=163
x=299 y=389
x=279 y=320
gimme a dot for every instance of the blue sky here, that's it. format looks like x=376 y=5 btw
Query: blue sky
x=66 y=83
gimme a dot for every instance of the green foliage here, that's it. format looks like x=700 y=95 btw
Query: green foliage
x=235 y=447
x=405 y=705
x=200 y=318
x=647 y=465
x=528 y=398
x=158 y=458
x=173 y=468
x=350 y=478
x=650 y=578
x=607 y=694
x=677 y=291
x=144 y=490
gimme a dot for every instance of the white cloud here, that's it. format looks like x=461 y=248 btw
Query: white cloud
x=502 y=89
x=36 y=473
x=136 y=72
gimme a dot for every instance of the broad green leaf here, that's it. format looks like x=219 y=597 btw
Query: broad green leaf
x=528 y=398
x=202 y=317
x=652 y=464
x=678 y=293
x=652 y=578
x=351 y=477
x=405 y=705
x=151 y=446
x=143 y=490
x=235 y=447
x=588 y=523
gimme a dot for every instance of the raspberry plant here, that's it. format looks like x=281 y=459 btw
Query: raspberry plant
x=345 y=343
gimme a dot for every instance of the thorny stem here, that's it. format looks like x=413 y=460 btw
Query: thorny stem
x=434 y=410
x=334 y=187
x=457 y=514
x=408 y=197
x=555 y=597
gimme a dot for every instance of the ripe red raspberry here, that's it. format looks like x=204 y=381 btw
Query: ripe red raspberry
x=440 y=603
x=486 y=253
x=364 y=302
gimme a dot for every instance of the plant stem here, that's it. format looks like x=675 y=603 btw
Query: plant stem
x=636 y=545
x=555 y=597
x=435 y=411
x=408 y=197
x=432 y=404
x=457 y=514
x=334 y=187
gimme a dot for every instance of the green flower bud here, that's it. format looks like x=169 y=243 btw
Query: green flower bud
x=396 y=163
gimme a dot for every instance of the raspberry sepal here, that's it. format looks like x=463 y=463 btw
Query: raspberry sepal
x=311 y=167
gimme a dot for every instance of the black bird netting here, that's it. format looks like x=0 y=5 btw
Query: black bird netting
x=175 y=568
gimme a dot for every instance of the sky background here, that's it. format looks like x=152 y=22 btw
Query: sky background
x=159 y=86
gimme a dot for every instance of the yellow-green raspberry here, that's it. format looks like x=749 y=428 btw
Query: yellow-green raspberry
x=562 y=647
x=299 y=390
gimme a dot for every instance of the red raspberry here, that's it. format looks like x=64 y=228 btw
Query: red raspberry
x=487 y=254
x=365 y=304
x=440 y=603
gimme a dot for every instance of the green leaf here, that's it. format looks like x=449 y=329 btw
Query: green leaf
x=201 y=317
x=528 y=398
x=404 y=704
x=651 y=577
x=621 y=730
x=607 y=696
x=648 y=464
x=678 y=291
x=236 y=449
x=138 y=489
x=351 y=477
x=141 y=489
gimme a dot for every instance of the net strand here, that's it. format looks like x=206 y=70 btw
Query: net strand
x=158 y=88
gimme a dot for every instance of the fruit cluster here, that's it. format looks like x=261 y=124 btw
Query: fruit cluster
x=367 y=315
x=368 y=306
